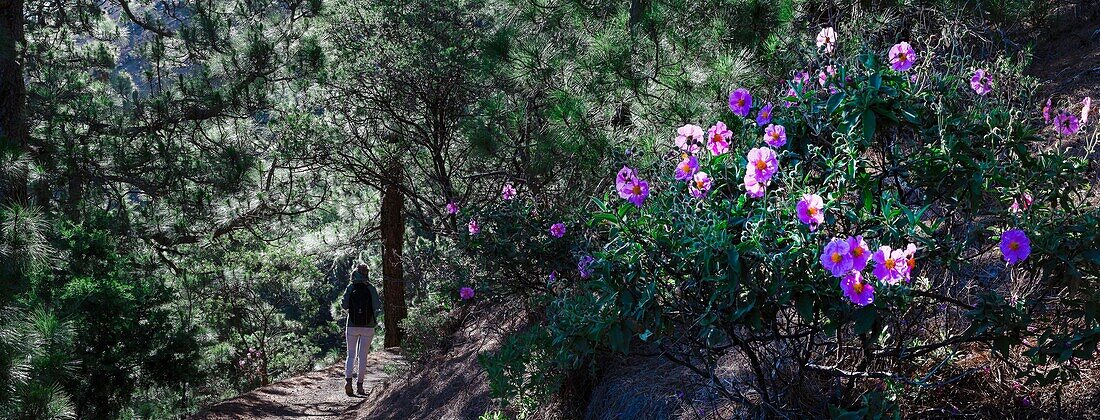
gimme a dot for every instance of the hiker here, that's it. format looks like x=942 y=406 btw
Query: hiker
x=361 y=301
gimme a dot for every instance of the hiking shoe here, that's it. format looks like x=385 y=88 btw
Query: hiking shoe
x=359 y=389
x=347 y=388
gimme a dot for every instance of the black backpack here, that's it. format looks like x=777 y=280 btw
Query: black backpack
x=360 y=306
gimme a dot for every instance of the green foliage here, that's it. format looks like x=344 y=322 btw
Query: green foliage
x=897 y=160
x=36 y=361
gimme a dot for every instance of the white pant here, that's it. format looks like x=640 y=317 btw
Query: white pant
x=358 y=338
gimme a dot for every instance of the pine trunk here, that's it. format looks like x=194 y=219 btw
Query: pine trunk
x=393 y=239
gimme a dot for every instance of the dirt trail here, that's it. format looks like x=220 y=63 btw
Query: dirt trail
x=317 y=394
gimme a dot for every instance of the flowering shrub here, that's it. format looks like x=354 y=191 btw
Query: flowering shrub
x=753 y=241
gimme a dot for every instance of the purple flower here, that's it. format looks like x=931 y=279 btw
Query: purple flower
x=902 y=57
x=1046 y=112
x=764 y=116
x=688 y=167
x=584 y=266
x=753 y=187
x=860 y=253
x=858 y=291
x=1066 y=124
x=557 y=230
x=553 y=277
x=718 y=138
x=827 y=39
x=741 y=102
x=635 y=191
x=622 y=178
x=508 y=192
x=474 y=227
x=836 y=257
x=452 y=208
x=689 y=138
x=466 y=293
x=980 y=82
x=1015 y=246
x=890 y=265
x=1086 y=105
x=775 y=135
x=700 y=185
x=810 y=210
x=762 y=163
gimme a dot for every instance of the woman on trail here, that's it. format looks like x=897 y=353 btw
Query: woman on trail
x=361 y=301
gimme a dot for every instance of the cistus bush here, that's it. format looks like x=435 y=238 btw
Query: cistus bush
x=875 y=217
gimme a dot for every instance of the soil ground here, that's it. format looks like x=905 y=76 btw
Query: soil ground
x=318 y=394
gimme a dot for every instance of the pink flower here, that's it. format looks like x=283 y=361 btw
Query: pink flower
x=700 y=185
x=797 y=85
x=764 y=116
x=1046 y=112
x=1021 y=204
x=474 y=227
x=810 y=210
x=836 y=257
x=557 y=230
x=753 y=187
x=980 y=82
x=741 y=102
x=890 y=265
x=856 y=290
x=775 y=135
x=910 y=260
x=1085 y=107
x=859 y=251
x=452 y=208
x=762 y=163
x=466 y=293
x=1066 y=124
x=508 y=192
x=688 y=167
x=635 y=191
x=1015 y=246
x=902 y=57
x=827 y=39
x=824 y=75
x=689 y=138
x=718 y=138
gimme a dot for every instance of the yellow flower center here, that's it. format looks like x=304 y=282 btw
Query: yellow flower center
x=903 y=57
x=740 y=102
x=686 y=168
x=761 y=165
x=890 y=264
x=717 y=138
x=637 y=189
x=858 y=252
x=1013 y=245
x=699 y=184
x=858 y=287
x=912 y=262
x=812 y=211
x=836 y=257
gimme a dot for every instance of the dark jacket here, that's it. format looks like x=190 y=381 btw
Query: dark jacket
x=356 y=277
